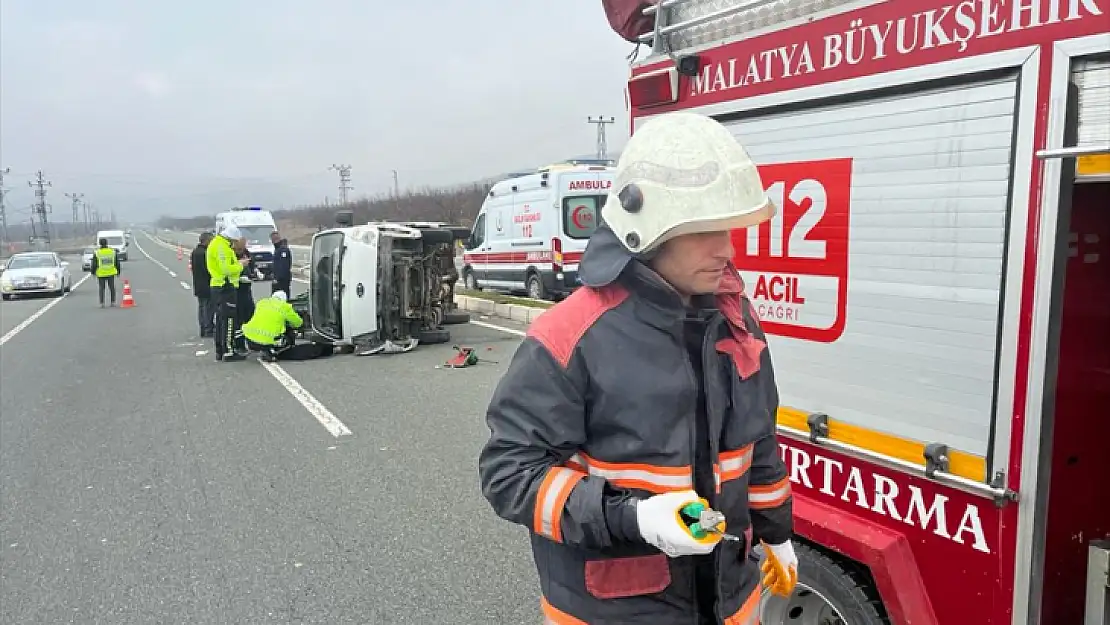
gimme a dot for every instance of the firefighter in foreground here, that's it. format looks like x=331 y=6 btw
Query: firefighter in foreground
x=225 y=270
x=647 y=390
x=105 y=266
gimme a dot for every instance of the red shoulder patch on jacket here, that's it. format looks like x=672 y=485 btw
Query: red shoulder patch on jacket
x=745 y=349
x=563 y=325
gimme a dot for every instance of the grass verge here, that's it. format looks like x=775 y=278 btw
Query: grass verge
x=505 y=299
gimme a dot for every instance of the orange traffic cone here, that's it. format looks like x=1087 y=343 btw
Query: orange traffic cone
x=178 y=252
x=128 y=301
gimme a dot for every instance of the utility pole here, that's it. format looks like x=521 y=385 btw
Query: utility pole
x=396 y=187
x=39 y=184
x=76 y=199
x=601 y=122
x=344 y=181
x=3 y=211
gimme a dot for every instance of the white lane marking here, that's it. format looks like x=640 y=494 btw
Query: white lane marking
x=185 y=285
x=151 y=258
x=500 y=328
x=40 y=312
x=172 y=274
x=310 y=403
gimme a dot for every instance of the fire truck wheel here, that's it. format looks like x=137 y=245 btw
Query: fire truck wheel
x=432 y=337
x=828 y=593
x=456 y=317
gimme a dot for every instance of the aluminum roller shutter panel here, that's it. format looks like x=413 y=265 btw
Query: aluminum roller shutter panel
x=1092 y=77
x=929 y=197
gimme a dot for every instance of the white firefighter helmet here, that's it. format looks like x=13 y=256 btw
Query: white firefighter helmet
x=683 y=173
x=280 y=295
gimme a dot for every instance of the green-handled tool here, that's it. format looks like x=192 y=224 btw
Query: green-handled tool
x=704 y=521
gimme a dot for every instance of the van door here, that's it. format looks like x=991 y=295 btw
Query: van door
x=359 y=280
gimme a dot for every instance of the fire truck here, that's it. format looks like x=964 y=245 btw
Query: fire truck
x=935 y=287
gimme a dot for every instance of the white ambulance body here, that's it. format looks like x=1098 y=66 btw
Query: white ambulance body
x=934 y=289
x=532 y=230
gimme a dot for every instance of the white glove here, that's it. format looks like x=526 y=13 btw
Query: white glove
x=780 y=568
x=660 y=522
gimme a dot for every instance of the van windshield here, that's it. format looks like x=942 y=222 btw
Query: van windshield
x=580 y=215
x=114 y=241
x=325 y=292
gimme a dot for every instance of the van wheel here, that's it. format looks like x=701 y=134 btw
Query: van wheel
x=470 y=281
x=433 y=337
x=437 y=236
x=827 y=593
x=535 y=287
x=455 y=317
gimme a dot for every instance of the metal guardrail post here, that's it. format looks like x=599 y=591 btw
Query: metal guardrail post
x=1097 y=607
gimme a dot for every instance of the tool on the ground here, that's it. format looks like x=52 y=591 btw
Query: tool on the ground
x=464 y=357
x=128 y=301
x=704 y=520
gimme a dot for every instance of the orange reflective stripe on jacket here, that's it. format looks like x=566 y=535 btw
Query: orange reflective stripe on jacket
x=551 y=499
x=733 y=464
x=748 y=614
x=769 y=495
x=649 y=477
x=555 y=616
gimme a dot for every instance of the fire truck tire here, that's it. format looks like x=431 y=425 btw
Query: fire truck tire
x=825 y=583
x=433 y=337
x=455 y=317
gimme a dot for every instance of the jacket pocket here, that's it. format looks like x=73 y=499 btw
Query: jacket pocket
x=618 y=578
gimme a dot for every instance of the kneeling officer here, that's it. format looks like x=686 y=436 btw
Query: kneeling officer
x=272 y=328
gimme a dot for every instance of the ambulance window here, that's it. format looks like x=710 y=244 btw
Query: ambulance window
x=478 y=234
x=580 y=215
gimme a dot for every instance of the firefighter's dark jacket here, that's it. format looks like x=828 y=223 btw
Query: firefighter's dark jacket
x=283 y=262
x=598 y=405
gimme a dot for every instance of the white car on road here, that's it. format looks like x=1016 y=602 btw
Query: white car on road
x=31 y=273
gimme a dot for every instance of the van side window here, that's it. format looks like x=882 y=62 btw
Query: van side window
x=580 y=215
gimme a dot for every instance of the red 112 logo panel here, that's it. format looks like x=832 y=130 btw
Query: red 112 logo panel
x=795 y=266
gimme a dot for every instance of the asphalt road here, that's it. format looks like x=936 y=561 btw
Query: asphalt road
x=142 y=482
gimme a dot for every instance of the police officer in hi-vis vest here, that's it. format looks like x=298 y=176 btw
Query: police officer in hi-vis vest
x=105 y=266
x=225 y=269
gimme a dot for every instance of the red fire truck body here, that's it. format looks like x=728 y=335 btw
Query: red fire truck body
x=935 y=285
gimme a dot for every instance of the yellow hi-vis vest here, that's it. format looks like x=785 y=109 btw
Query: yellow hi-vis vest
x=106 y=262
x=271 y=317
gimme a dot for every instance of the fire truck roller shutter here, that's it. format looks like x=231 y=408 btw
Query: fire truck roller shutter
x=881 y=278
x=1092 y=77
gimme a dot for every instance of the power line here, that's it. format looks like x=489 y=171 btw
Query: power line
x=40 y=183
x=76 y=198
x=3 y=212
x=602 y=146
x=344 y=181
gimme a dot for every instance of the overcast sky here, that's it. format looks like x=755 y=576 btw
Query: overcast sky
x=153 y=107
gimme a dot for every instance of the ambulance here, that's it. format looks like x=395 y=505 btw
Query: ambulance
x=934 y=287
x=532 y=230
